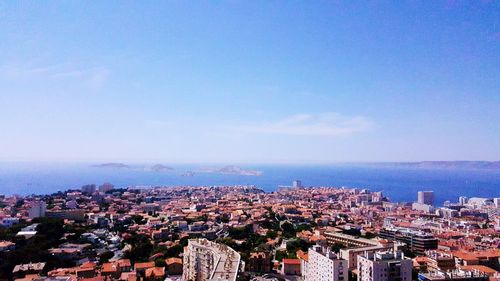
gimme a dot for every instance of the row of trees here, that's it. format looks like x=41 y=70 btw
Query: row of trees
x=142 y=248
x=35 y=249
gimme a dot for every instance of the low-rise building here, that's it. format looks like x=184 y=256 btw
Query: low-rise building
x=290 y=267
x=457 y=274
x=21 y=270
x=174 y=266
x=440 y=261
x=259 y=262
x=6 y=246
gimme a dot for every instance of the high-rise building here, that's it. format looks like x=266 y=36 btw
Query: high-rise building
x=462 y=200
x=105 y=187
x=377 y=196
x=37 y=209
x=324 y=265
x=89 y=188
x=384 y=266
x=356 y=246
x=426 y=197
x=296 y=184
x=416 y=241
x=206 y=260
x=496 y=201
x=424 y=202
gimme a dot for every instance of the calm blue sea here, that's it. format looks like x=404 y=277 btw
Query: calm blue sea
x=399 y=184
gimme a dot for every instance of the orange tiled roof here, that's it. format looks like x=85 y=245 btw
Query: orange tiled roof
x=144 y=265
x=155 y=271
x=88 y=265
x=97 y=278
x=481 y=268
x=170 y=261
x=477 y=255
x=302 y=255
x=6 y=243
x=108 y=267
x=123 y=263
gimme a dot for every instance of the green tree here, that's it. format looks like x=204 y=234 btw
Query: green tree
x=160 y=262
x=280 y=255
x=106 y=256
x=288 y=230
x=138 y=219
x=240 y=232
x=297 y=244
x=141 y=248
x=174 y=251
x=271 y=234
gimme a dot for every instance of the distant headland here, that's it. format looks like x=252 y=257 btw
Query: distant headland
x=226 y=170
x=443 y=164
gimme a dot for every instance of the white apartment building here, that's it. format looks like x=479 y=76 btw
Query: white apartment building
x=426 y=197
x=384 y=266
x=324 y=265
x=206 y=261
x=496 y=201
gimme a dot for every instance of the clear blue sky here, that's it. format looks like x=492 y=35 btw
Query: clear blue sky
x=249 y=81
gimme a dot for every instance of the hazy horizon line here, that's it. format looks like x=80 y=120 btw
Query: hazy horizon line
x=229 y=163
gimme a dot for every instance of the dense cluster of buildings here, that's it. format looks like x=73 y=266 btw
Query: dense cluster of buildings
x=240 y=232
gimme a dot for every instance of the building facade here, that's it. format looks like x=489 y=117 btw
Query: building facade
x=259 y=262
x=426 y=197
x=324 y=265
x=384 y=266
x=416 y=241
x=38 y=209
x=205 y=260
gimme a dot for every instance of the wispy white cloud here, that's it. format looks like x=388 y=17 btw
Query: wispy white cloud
x=325 y=124
x=93 y=76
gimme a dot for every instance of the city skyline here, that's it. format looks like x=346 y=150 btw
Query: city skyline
x=256 y=82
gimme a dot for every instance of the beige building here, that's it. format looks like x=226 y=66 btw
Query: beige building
x=324 y=265
x=384 y=266
x=38 y=209
x=205 y=260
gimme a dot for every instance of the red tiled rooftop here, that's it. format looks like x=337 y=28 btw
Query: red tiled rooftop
x=143 y=265
x=170 y=261
x=291 y=261
x=481 y=268
x=108 y=267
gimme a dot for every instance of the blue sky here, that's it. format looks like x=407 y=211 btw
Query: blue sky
x=249 y=81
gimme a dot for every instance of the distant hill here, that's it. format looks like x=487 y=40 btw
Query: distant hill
x=231 y=170
x=445 y=164
x=161 y=168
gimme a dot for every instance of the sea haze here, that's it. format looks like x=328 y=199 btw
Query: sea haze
x=399 y=183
